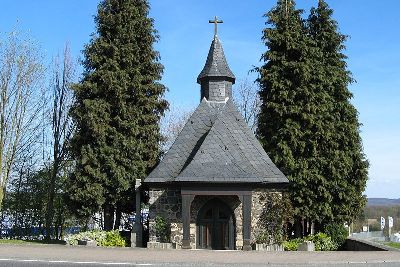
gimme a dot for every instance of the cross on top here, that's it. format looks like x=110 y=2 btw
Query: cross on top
x=215 y=21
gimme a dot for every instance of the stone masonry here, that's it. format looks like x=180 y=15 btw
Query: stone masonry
x=167 y=203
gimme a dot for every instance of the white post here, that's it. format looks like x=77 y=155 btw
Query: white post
x=390 y=224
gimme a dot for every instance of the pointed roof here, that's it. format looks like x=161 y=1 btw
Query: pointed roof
x=216 y=64
x=216 y=146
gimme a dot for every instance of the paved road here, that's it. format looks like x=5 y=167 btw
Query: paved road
x=82 y=264
x=69 y=256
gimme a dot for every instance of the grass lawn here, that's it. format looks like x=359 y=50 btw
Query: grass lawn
x=18 y=241
x=393 y=244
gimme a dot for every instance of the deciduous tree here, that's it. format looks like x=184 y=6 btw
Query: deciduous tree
x=248 y=101
x=21 y=76
x=61 y=126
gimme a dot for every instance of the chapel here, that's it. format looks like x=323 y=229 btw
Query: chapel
x=208 y=186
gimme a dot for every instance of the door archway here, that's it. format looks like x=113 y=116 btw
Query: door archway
x=216 y=226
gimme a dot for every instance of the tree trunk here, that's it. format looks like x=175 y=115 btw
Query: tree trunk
x=311 y=228
x=1 y=196
x=62 y=228
x=307 y=227
x=50 y=203
x=118 y=215
x=298 y=228
x=108 y=217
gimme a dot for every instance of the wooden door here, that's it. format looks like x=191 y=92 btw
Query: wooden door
x=215 y=226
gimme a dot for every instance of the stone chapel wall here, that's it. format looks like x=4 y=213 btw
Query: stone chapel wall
x=258 y=205
x=168 y=204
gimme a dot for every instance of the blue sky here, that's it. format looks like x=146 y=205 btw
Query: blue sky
x=373 y=51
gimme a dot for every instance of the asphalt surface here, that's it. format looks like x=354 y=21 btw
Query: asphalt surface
x=71 y=256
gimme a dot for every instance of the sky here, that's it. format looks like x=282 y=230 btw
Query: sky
x=373 y=28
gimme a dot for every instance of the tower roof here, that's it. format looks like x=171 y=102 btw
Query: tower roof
x=216 y=64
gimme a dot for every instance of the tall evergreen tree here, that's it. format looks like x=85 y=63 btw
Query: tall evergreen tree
x=306 y=122
x=117 y=109
x=289 y=112
x=344 y=165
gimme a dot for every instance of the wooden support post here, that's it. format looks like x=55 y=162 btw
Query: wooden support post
x=186 y=202
x=246 y=209
x=138 y=217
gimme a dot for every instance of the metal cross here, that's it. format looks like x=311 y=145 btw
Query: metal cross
x=215 y=21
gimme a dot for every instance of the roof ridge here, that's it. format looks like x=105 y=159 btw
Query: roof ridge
x=231 y=153
x=200 y=142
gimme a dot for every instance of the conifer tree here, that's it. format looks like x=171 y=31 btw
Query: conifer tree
x=289 y=111
x=118 y=105
x=306 y=123
x=344 y=164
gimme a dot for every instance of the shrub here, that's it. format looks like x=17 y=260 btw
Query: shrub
x=276 y=210
x=113 y=239
x=265 y=237
x=102 y=238
x=292 y=245
x=262 y=238
x=162 y=229
x=322 y=242
x=337 y=232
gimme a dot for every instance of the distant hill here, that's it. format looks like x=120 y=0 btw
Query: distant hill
x=383 y=202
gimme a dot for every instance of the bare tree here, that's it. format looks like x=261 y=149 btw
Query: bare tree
x=21 y=73
x=172 y=124
x=62 y=76
x=246 y=98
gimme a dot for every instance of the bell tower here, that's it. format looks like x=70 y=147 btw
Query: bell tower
x=216 y=79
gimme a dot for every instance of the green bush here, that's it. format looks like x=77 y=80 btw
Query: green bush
x=163 y=229
x=292 y=245
x=337 y=232
x=102 y=238
x=113 y=239
x=276 y=210
x=265 y=237
x=322 y=242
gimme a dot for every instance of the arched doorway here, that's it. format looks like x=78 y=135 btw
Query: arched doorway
x=215 y=226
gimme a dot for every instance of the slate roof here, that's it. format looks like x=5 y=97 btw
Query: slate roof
x=216 y=146
x=216 y=64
